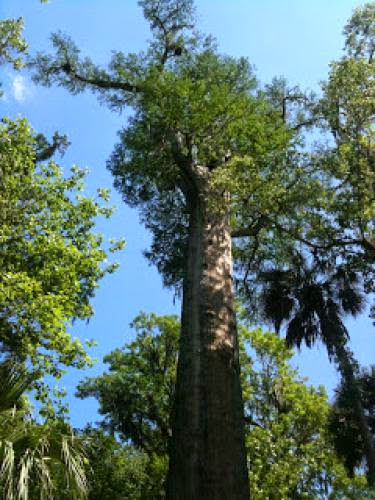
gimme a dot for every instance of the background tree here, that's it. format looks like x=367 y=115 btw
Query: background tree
x=12 y=44
x=121 y=470
x=336 y=226
x=50 y=260
x=335 y=234
x=116 y=471
x=290 y=449
x=348 y=107
x=137 y=393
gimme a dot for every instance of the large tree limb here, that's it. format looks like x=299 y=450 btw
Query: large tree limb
x=101 y=82
x=252 y=231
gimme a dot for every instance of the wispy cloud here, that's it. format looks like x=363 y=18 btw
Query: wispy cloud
x=20 y=89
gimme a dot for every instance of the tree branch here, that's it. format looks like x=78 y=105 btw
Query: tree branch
x=100 y=82
x=252 y=231
x=250 y=421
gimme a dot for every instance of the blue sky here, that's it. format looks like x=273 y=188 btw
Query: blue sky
x=296 y=39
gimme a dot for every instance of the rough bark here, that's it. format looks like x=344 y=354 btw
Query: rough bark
x=207 y=455
x=347 y=371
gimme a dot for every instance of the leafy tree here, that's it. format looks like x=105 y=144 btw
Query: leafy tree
x=286 y=421
x=120 y=471
x=332 y=286
x=37 y=460
x=348 y=110
x=137 y=394
x=290 y=450
x=50 y=259
x=336 y=227
x=225 y=157
x=12 y=45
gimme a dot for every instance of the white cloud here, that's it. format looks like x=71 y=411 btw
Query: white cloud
x=19 y=88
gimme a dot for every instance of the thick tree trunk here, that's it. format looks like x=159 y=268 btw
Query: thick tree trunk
x=207 y=455
x=347 y=371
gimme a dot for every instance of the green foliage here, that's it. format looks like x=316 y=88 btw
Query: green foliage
x=323 y=204
x=289 y=449
x=201 y=110
x=120 y=471
x=137 y=394
x=360 y=32
x=12 y=45
x=50 y=259
x=348 y=108
x=37 y=460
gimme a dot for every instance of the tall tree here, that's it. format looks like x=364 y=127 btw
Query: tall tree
x=206 y=156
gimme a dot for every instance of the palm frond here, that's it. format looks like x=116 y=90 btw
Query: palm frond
x=15 y=381
x=73 y=458
x=303 y=327
x=276 y=300
x=35 y=459
x=7 y=468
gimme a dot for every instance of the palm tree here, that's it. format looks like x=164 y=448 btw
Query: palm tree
x=343 y=424
x=312 y=300
x=35 y=459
